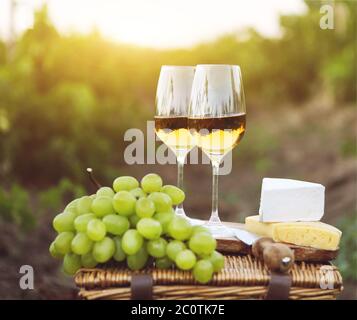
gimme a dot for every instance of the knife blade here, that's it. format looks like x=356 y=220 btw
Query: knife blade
x=245 y=236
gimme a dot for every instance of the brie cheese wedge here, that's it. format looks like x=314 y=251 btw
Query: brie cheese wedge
x=286 y=200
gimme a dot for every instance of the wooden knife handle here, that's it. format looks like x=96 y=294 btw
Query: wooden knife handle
x=278 y=257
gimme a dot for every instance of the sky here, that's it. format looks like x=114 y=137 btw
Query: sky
x=154 y=23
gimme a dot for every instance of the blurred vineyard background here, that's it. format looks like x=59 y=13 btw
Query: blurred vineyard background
x=66 y=101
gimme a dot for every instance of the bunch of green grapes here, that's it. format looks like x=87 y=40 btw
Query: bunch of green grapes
x=133 y=223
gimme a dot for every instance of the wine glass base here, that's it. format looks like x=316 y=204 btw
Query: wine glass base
x=219 y=230
x=180 y=212
x=196 y=222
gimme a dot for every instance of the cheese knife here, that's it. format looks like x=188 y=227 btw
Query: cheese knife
x=278 y=257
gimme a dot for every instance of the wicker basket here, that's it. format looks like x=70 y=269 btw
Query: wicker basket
x=243 y=277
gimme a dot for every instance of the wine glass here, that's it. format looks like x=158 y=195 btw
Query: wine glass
x=172 y=102
x=217 y=119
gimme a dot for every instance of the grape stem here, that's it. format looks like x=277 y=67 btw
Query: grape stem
x=92 y=178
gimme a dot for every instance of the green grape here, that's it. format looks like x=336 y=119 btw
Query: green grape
x=81 y=244
x=197 y=229
x=125 y=183
x=173 y=248
x=180 y=228
x=72 y=211
x=203 y=271
x=54 y=253
x=131 y=242
x=164 y=218
x=71 y=263
x=63 y=241
x=102 y=206
x=162 y=201
x=115 y=224
x=145 y=208
x=103 y=250
x=217 y=260
x=119 y=254
x=137 y=261
x=81 y=222
x=149 y=228
x=138 y=193
x=84 y=205
x=105 y=192
x=163 y=263
x=88 y=261
x=134 y=219
x=124 y=203
x=202 y=243
x=64 y=221
x=151 y=183
x=93 y=196
x=157 y=248
x=176 y=194
x=185 y=260
x=72 y=206
x=96 y=230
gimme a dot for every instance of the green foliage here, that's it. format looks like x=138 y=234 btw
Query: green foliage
x=347 y=258
x=257 y=145
x=2 y=53
x=341 y=75
x=23 y=208
x=15 y=207
x=53 y=198
x=349 y=147
x=340 y=67
x=66 y=100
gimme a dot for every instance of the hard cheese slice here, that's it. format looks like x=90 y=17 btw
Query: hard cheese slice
x=284 y=200
x=318 y=235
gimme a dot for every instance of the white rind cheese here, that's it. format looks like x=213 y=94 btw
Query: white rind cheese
x=286 y=200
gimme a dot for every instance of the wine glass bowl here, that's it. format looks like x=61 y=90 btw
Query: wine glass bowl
x=172 y=102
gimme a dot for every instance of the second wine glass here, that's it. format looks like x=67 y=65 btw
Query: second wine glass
x=172 y=102
x=217 y=122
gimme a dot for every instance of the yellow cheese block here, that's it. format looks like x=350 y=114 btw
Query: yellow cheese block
x=315 y=234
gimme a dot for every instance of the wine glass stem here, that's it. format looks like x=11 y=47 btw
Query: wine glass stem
x=214 y=219
x=180 y=164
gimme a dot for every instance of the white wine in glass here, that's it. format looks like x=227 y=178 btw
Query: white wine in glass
x=172 y=102
x=217 y=136
x=174 y=133
x=217 y=122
